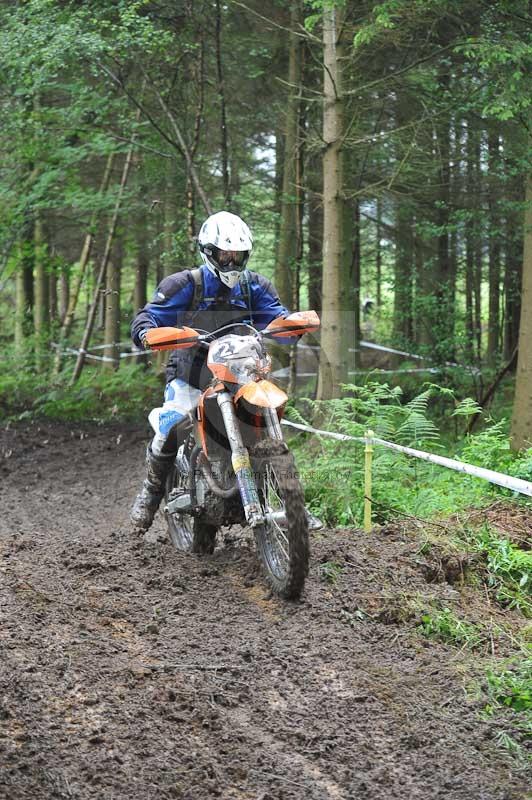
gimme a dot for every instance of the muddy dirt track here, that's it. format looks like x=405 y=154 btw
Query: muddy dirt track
x=128 y=670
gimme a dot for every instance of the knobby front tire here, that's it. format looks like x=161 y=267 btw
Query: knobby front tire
x=283 y=547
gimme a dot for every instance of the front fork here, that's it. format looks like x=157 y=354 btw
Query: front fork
x=241 y=461
x=273 y=426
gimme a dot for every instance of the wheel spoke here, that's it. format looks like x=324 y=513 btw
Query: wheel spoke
x=179 y=525
x=279 y=551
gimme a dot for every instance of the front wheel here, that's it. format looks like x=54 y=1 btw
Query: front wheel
x=282 y=541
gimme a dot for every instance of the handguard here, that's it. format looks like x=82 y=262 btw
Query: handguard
x=171 y=338
x=294 y=325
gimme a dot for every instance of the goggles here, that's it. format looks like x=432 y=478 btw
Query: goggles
x=228 y=260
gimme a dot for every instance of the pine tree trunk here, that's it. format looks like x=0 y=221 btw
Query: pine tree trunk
x=296 y=276
x=143 y=263
x=290 y=195
x=443 y=333
x=315 y=234
x=52 y=294
x=479 y=231
x=521 y=429
x=403 y=274
x=112 y=309
x=512 y=278
x=494 y=257
x=40 y=309
x=165 y=265
x=455 y=188
x=64 y=293
x=224 y=147
x=352 y=283
x=28 y=265
x=378 y=256
x=333 y=355
x=24 y=288
x=21 y=310
x=469 y=250
x=200 y=84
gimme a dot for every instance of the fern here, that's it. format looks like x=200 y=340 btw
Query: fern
x=294 y=415
x=419 y=404
x=467 y=408
x=416 y=429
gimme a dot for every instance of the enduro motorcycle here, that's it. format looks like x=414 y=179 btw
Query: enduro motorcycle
x=234 y=466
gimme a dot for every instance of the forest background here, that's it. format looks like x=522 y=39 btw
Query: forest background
x=379 y=151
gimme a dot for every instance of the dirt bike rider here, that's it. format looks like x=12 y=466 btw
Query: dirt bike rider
x=221 y=291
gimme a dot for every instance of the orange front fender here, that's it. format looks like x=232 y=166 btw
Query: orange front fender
x=262 y=394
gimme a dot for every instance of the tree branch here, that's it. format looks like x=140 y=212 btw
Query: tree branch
x=304 y=34
x=182 y=144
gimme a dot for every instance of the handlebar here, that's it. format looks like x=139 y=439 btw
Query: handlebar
x=167 y=338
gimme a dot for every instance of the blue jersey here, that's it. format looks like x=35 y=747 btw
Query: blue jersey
x=172 y=306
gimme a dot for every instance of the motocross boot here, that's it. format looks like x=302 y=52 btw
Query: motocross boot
x=148 y=499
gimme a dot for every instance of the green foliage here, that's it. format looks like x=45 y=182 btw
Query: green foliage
x=467 y=408
x=333 y=472
x=446 y=627
x=509 y=569
x=125 y=394
x=489 y=448
x=521 y=467
x=511 y=687
x=378 y=407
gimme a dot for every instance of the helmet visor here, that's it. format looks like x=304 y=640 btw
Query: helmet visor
x=229 y=260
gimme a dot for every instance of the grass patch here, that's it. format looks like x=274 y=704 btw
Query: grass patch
x=446 y=627
x=511 y=687
x=508 y=569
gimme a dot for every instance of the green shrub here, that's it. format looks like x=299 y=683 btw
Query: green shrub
x=127 y=393
x=333 y=472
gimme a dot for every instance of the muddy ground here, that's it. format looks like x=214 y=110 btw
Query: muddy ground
x=128 y=670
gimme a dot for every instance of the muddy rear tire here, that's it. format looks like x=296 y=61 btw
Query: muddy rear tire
x=283 y=548
x=187 y=533
x=204 y=538
x=180 y=526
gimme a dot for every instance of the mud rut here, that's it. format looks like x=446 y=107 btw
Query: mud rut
x=131 y=671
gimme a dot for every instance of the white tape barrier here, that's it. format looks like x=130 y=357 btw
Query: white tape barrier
x=281 y=373
x=114 y=344
x=451 y=364
x=383 y=349
x=498 y=478
x=342 y=437
x=284 y=372
x=71 y=351
x=371 y=346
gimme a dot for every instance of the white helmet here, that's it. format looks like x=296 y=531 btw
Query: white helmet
x=225 y=243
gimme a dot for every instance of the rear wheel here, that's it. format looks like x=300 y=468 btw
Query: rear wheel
x=282 y=542
x=188 y=533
